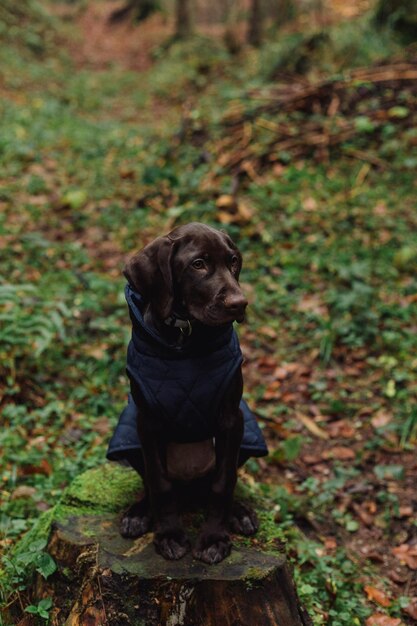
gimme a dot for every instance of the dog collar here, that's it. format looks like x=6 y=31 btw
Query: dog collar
x=177 y=322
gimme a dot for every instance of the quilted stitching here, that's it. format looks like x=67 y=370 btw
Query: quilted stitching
x=183 y=387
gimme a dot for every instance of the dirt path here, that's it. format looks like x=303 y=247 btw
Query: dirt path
x=102 y=45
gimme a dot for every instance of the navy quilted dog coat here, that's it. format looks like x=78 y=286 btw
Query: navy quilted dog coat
x=183 y=385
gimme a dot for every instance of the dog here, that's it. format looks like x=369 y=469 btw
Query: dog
x=186 y=425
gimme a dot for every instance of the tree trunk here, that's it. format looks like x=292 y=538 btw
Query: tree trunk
x=103 y=579
x=231 y=32
x=137 y=10
x=255 y=30
x=184 y=26
x=127 y=583
x=282 y=11
x=400 y=15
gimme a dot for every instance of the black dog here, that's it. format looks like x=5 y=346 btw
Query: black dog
x=186 y=418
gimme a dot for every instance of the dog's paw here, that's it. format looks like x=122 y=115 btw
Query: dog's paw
x=212 y=547
x=136 y=521
x=171 y=544
x=243 y=520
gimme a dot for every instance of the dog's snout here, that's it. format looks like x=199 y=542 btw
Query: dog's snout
x=235 y=303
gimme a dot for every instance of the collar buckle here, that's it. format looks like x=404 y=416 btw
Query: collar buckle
x=177 y=322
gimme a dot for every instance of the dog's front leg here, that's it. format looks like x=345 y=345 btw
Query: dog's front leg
x=169 y=537
x=213 y=543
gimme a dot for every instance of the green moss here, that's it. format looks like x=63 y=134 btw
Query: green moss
x=40 y=531
x=247 y=493
x=107 y=488
x=255 y=573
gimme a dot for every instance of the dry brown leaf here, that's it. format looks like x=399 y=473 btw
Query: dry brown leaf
x=226 y=201
x=244 y=211
x=309 y=204
x=398 y=575
x=411 y=609
x=288 y=397
x=341 y=428
x=23 y=491
x=378 y=619
x=281 y=372
x=272 y=391
x=341 y=453
x=376 y=595
x=44 y=468
x=364 y=515
x=102 y=425
x=267 y=331
x=405 y=511
x=311 y=459
x=225 y=218
x=232 y=210
x=406 y=554
x=330 y=544
x=267 y=364
x=381 y=419
x=312 y=303
x=97 y=352
x=311 y=425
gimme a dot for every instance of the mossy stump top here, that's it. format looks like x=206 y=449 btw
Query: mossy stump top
x=104 y=579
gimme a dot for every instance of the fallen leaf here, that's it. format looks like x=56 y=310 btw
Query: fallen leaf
x=226 y=201
x=378 y=619
x=405 y=511
x=267 y=364
x=406 y=554
x=380 y=209
x=341 y=453
x=272 y=391
x=341 y=428
x=312 y=303
x=372 y=554
x=309 y=204
x=365 y=516
x=97 y=352
x=330 y=544
x=268 y=332
x=411 y=609
x=381 y=419
x=24 y=491
x=44 y=468
x=102 y=426
x=281 y=373
x=376 y=595
x=398 y=576
x=312 y=426
x=311 y=459
x=232 y=210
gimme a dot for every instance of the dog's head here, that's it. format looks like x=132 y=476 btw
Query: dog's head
x=194 y=270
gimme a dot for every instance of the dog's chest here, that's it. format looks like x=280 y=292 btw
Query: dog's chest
x=185 y=392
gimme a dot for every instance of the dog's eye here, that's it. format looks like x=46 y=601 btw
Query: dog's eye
x=198 y=264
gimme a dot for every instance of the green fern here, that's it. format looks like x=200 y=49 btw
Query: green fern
x=28 y=324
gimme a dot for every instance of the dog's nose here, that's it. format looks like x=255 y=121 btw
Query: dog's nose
x=235 y=303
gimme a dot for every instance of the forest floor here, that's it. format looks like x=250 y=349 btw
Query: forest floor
x=103 y=148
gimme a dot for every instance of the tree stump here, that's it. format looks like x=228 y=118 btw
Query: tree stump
x=103 y=579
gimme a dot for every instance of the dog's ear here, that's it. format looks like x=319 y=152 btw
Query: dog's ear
x=150 y=273
x=229 y=242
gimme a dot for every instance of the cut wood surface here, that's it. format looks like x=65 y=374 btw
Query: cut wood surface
x=104 y=579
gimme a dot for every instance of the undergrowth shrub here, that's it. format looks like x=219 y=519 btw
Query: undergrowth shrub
x=26 y=23
x=28 y=327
